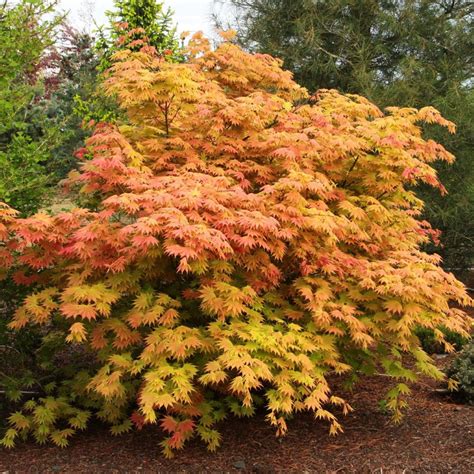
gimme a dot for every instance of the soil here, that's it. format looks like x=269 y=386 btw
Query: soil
x=436 y=436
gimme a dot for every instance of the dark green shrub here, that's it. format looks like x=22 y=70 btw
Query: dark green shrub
x=431 y=345
x=462 y=370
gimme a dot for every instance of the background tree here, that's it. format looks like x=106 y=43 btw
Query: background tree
x=27 y=29
x=49 y=70
x=72 y=100
x=50 y=76
x=407 y=53
x=133 y=19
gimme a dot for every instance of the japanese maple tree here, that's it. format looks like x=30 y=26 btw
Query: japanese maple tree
x=239 y=241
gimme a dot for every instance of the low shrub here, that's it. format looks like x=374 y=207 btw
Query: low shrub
x=432 y=344
x=462 y=370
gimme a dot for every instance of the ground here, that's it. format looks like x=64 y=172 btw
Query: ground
x=436 y=436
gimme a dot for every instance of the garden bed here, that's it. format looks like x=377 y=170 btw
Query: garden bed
x=437 y=435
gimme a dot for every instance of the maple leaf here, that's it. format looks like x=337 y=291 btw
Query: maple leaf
x=394 y=306
x=77 y=333
x=138 y=420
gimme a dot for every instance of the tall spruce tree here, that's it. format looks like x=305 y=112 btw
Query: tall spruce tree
x=395 y=52
x=135 y=19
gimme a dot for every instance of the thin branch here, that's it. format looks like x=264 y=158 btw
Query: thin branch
x=25 y=392
x=349 y=171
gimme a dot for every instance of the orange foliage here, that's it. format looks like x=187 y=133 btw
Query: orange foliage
x=243 y=241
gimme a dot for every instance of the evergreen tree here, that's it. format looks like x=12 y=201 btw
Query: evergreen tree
x=72 y=99
x=131 y=21
x=27 y=29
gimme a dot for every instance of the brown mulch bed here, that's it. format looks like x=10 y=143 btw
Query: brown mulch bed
x=436 y=436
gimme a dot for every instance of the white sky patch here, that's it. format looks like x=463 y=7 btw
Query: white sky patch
x=190 y=15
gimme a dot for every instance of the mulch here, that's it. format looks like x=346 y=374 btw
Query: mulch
x=436 y=436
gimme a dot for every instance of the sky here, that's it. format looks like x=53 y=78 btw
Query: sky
x=190 y=15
